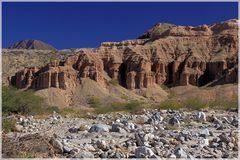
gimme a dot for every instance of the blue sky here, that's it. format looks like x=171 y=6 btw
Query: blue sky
x=75 y=25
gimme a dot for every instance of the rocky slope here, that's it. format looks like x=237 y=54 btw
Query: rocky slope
x=166 y=54
x=31 y=44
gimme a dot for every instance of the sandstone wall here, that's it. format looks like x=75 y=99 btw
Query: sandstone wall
x=182 y=55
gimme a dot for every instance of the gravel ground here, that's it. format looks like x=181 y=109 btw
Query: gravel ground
x=152 y=134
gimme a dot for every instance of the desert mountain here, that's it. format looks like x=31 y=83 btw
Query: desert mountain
x=169 y=55
x=31 y=44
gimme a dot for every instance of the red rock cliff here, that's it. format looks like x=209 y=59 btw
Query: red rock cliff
x=178 y=55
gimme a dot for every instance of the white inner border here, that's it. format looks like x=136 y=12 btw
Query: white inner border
x=112 y=1
x=120 y=1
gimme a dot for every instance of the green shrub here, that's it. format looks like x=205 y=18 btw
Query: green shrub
x=114 y=107
x=74 y=112
x=224 y=103
x=25 y=155
x=131 y=106
x=171 y=94
x=51 y=109
x=8 y=125
x=194 y=104
x=171 y=127
x=164 y=87
x=114 y=82
x=103 y=109
x=94 y=102
x=170 y=104
x=125 y=97
x=23 y=102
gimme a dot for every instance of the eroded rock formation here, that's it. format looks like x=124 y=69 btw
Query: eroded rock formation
x=176 y=55
x=61 y=74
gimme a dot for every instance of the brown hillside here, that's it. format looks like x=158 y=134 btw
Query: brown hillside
x=168 y=55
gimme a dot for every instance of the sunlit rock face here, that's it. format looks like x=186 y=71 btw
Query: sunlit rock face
x=176 y=55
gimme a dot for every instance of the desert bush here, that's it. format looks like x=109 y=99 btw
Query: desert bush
x=170 y=104
x=51 y=109
x=171 y=94
x=46 y=111
x=224 y=103
x=171 y=127
x=114 y=82
x=194 y=104
x=103 y=109
x=25 y=155
x=8 y=125
x=94 y=102
x=125 y=97
x=114 y=107
x=74 y=112
x=23 y=102
x=164 y=87
x=132 y=106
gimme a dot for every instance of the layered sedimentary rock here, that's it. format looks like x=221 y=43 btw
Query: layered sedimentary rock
x=61 y=74
x=176 y=55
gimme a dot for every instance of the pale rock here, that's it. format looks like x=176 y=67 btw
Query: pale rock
x=66 y=149
x=205 y=132
x=144 y=152
x=174 y=121
x=99 y=128
x=89 y=147
x=179 y=152
x=155 y=119
x=84 y=154
x=19 y=128
x=57 y=145
x=204 y=143
x=201 y=117
x=102 y=144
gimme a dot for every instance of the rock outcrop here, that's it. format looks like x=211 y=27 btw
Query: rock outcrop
x=176 y=55
x=14 y=60
x=61 y=74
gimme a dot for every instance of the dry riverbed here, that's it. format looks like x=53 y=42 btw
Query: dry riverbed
x=152 y=134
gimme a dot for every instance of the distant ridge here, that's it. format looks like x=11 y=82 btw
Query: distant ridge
x=31 y=44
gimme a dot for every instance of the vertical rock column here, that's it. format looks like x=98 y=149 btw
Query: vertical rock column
x=29 y=78
x=114 y=71
x=46 y=80
x=131 y=80
x=147 y=80
x=140 y=79
x=54 y=80
x=184 y=79
x=160 y=73
x=61 y=80
x=175 y=66
x=19 y=79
